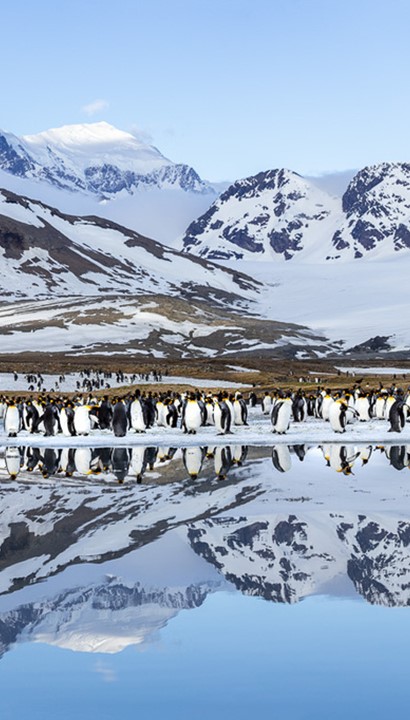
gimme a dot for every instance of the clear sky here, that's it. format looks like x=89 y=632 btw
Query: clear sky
x=230 y=87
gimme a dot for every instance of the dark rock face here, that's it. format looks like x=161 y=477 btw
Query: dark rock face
x=11 y=161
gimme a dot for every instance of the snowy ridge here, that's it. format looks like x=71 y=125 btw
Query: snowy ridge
x=96 y=158
x=277 y=215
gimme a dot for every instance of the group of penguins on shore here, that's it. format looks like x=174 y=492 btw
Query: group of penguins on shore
x=190 y=411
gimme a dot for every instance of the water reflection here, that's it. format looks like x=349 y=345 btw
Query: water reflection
x=133 y=463
x=87 y=564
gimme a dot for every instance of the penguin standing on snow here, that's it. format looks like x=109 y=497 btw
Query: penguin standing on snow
x=67 y=419
x=119 y=419
x=397 y=417
x=105 y=414
x=337 y=415
x=240 y=410
x=12 y=419
x=222 y=416
x=137 y=414
x=192 y=415
x=266 y=403
x=280 y=416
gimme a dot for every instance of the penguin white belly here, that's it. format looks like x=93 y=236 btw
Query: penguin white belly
x=82 y=422
x=12 y=420
x=326 y=405
x=389 y=402
x=64 y=423
x=282 y=413
x=161 y=411
x=266 y=404
x=379 y=408
x=238 y=413
x=137 y=416
x=193 y=416
x=362 y=407
x=337 y=417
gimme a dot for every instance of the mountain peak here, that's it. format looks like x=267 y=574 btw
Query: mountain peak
x=84 y=134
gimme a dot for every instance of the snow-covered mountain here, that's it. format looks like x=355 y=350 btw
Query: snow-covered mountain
x=87 y=283
x=97 y=158
x=275 y=214
x=96 y=169
x=278 y=215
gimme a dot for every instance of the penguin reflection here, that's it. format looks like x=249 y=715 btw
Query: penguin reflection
x=281 y=459
x=13 y=458
x=193 y=458
x=340 y=458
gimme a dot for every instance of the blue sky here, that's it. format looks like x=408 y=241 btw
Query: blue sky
x=231 y=87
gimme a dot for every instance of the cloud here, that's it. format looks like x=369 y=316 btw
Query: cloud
x=142 y=135
x=108 y=674
x=95 y=107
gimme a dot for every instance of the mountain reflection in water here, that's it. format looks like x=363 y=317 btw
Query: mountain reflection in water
x=101 y=547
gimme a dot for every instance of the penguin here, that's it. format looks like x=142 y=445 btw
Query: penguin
x=328 y=400
x=161 y=413
x=30 y=415
x=105 y=414
x=67 y=419
x=365 y=452
x=191 y=415
x=193 y=457
x=281 y=459
x=397 y=417
x=362 y=407
x=337 y=415
x=390 y=400
x=12 y=419
x=137 y=415
x=266 y=403
x=299 y=407
x=222 y=416
x=82 y=422
x=240 y=410
x=171 y=414
x=119 y=419
x=209 y=411
x=280 y=416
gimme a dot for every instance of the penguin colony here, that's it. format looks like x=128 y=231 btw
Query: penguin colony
x=139 y=411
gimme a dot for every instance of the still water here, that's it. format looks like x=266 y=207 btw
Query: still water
x=205 y=582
